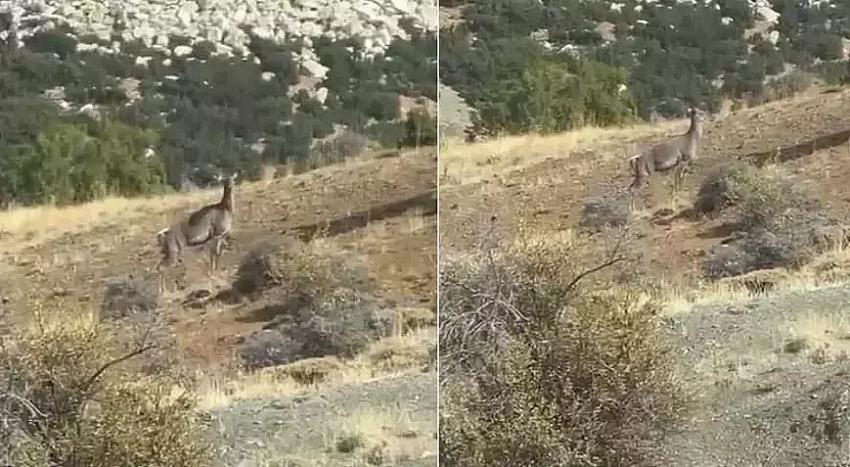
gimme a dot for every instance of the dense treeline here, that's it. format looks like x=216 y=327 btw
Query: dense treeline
x=194 y=115
x=668 y=55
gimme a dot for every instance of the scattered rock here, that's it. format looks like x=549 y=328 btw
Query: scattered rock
x=125 y=296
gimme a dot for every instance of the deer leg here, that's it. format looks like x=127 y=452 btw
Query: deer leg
x=215 y=253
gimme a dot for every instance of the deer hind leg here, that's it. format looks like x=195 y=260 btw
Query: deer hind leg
x=215 y=253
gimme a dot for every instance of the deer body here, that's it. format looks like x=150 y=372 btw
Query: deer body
x=207 y=226
x=677 y=153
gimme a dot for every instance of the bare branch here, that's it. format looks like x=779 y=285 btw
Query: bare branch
x=93 y=378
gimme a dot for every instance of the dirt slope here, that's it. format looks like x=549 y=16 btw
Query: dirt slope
x=381 y=209
x=550 y=195
x=768 y=376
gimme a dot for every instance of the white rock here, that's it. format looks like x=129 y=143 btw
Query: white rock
x=322 y=94
x=773 y=37
x=314 y=68
x=267 y=75
x=182 y=50
x=187 y=12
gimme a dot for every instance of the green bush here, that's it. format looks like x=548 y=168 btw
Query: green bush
x=420 y=129
x=556 y=95
x=538 y=372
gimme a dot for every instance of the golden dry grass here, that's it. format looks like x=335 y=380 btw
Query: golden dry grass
x=217 y=390
x=827 y=269
x=31 y=226
x=462 y=162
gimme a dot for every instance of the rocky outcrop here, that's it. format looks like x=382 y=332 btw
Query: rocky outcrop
x=225 y=23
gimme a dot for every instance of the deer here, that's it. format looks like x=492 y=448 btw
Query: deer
x=207 y=226
x=676 y=153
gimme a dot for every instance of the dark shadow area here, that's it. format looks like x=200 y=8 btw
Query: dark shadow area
x=798 y=150
x=426 y=201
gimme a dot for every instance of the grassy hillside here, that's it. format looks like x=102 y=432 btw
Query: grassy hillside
x=723 y=304
x=354 y=240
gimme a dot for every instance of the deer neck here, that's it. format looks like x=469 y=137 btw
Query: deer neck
x=227 y=198
x=695 y=129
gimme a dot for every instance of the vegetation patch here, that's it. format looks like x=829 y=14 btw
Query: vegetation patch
x=537 y=371
x=781 y=222
x=317 y=300
x=65 y=401
x=605 y=210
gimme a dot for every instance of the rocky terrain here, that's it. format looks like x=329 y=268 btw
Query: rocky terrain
x=224 y=23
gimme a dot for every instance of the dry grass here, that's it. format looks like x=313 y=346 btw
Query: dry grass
x=825 y=270
x=404 y=352
x=463 y=163
x=30 y=226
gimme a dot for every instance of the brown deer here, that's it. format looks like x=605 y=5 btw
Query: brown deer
x=677 y=153
x=207 y=226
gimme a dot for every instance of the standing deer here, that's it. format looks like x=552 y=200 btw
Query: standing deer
x=206 y=226
x=677 y=153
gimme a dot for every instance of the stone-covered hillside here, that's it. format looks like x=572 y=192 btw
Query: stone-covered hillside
x=644 y=58
x=168 y=93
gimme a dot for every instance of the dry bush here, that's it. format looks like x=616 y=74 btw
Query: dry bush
x=535 y=371
x=339 y=147
x=340 y=326
x=414 y=350
x=64 y=402
x=305 y=271
x=781 y=222
x=718 y=190
x=126 y=296
x=411 y=319
x=319 y=299
x=605 y=210
x=788 y=85
x=310 y=370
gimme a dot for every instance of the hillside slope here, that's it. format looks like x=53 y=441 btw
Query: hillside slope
x=550 y=190
x=765 y=371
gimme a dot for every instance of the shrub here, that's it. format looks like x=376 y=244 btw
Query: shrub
x=60 y=406
x=536 y=372
x=318 y=301
x=340 y=147
x=305 y=272
x=340 y=326
x=788 y=85
x=605 y=210
x=420 y=129
x=782 y=223
x=311 y=370
x=126 y=296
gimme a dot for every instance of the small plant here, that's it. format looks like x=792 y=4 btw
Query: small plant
x=605 y=210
